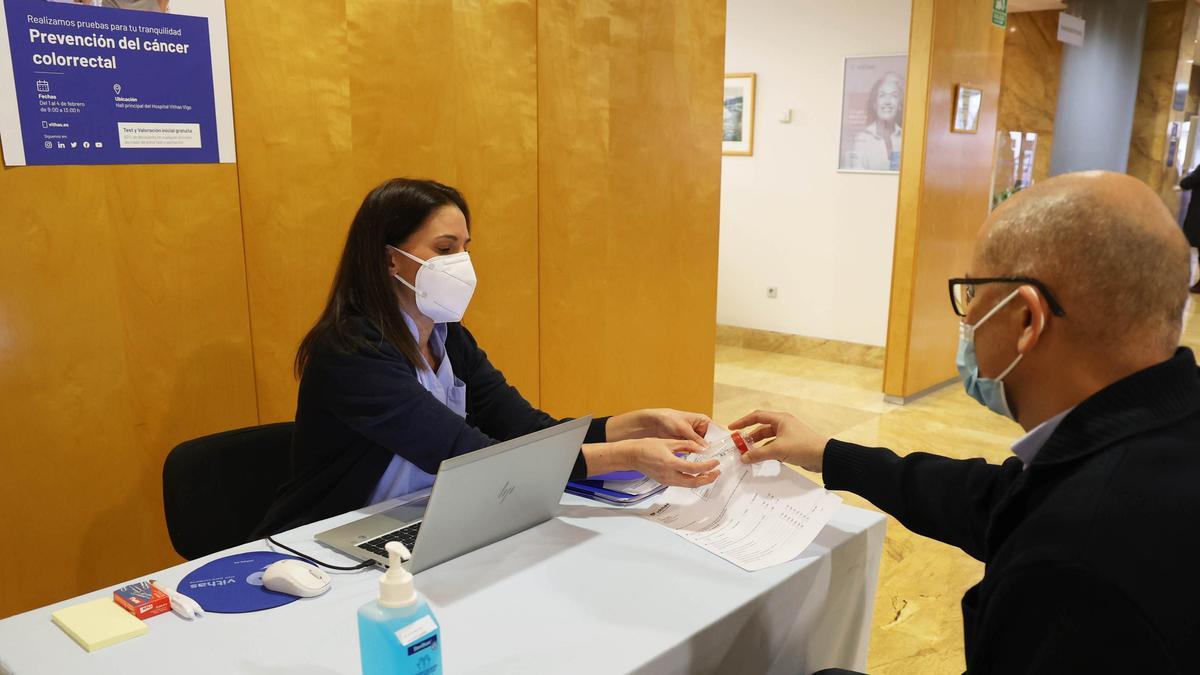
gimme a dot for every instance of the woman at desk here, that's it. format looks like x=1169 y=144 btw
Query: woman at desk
x=391 y=383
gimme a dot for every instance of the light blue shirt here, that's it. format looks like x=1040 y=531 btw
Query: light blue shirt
x=402 y=477
x=1031 y=443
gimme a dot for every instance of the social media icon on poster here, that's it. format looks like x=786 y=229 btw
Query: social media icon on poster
x=49 y=144
x=62 y=145
x=99 y=144
x=86 y=145
x=43 y=86
x=74 y=144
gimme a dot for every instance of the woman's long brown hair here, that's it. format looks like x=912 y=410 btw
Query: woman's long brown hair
x=362 y=286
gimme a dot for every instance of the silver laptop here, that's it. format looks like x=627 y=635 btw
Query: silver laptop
x=477 y=499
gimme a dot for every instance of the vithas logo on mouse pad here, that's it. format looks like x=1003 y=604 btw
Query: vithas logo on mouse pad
x=233 y=584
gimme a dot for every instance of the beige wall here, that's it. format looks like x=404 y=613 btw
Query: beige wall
x=945 y=181
x=142 y=306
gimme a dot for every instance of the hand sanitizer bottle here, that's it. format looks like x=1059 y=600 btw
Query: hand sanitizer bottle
x=398 y=634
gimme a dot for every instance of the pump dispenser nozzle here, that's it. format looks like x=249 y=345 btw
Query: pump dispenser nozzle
x=396 y=585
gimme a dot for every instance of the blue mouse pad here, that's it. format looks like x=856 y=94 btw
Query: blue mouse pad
x=233 y=584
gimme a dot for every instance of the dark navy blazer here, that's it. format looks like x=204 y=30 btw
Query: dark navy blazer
x=355 y=410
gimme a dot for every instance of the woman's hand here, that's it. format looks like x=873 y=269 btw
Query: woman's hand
x=794 y=442
x=658 y=423
x=654 y=457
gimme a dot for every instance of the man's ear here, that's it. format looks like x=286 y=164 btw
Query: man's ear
x=1034 y=311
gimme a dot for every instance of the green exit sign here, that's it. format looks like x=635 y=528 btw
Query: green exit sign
x=1000 y=13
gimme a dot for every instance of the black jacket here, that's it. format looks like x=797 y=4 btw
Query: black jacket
x=356 y=410
x=1091 y=553
x=1191 y=221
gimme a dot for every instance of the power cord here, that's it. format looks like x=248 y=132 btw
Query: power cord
x=353 y=568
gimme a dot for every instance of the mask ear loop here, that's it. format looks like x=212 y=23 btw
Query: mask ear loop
x=1041 y=329
x=995 y=309
x=400 y=278
x=410 y=286
x=422 y=263
x=1001 y=376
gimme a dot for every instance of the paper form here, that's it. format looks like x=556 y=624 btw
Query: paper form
x=755 y=515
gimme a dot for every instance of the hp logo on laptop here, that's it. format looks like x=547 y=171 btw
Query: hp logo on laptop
x=505 y=491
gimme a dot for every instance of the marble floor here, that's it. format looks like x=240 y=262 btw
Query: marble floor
x=917 y=626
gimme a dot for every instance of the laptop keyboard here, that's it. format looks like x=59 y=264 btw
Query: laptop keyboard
x=406 y=535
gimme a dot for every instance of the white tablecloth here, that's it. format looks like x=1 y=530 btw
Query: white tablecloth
x=592 y=591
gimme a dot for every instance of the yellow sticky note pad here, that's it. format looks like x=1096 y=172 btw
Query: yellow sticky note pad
x=98 y=624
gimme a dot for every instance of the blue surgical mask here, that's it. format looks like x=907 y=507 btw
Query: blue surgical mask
x=985 y=390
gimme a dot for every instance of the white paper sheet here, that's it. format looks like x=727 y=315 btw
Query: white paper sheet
x=755 y=515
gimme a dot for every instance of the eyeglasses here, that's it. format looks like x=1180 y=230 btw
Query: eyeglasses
x=962 y=292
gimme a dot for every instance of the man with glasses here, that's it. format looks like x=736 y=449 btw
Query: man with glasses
x=1071 y=318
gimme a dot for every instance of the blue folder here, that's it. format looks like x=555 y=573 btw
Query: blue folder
x=597 y=490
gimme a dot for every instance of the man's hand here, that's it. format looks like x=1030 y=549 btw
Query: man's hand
x=787 y=439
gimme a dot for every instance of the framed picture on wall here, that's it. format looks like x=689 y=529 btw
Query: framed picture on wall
x=872 y=113
x=738 y=132
x=967 y=101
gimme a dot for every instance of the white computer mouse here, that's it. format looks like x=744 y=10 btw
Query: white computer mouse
x=295 y=577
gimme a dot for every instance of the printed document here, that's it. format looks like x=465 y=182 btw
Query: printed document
x=755 y=515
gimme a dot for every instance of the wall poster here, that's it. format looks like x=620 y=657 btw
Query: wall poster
x=872 y=113
x=114 y=82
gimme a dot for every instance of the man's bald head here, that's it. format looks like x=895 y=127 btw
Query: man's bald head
x=1106 y=247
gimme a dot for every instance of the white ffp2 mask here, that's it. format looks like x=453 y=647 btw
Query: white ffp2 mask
x=444 y=287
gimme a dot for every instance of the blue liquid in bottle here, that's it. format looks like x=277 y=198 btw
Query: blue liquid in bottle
x=398 y=633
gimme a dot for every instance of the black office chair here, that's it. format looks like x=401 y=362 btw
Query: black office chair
x=217 y=488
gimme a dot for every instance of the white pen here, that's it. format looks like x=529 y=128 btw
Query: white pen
x=180 y=603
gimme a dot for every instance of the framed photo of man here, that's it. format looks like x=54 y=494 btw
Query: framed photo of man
x=738 y=136
x=872 y=113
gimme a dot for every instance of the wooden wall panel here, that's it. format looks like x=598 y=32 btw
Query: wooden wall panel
x=908 y=203
x=123 y=331
x=377 y=90
x=629 y=179
x=291 y=93
x=459 y=105
x=944 y=187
